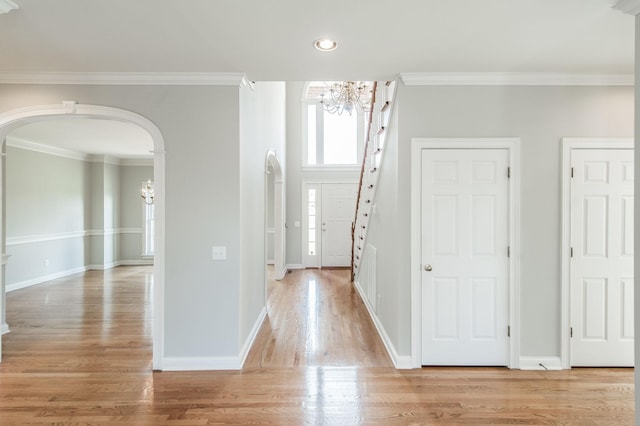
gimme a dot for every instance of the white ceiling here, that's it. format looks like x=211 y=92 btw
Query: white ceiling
x=88 y=136
x=272 y=40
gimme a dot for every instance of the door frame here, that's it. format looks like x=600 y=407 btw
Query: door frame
x=568 y=145
x=304 y=237
x=512 y=145
x=15 y=118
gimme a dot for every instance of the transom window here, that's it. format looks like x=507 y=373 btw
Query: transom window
x=330 y=139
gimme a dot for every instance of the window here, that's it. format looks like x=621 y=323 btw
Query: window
x=331 y=140
x=148 y=222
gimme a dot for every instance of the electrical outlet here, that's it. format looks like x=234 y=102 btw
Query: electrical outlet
x=219 y=253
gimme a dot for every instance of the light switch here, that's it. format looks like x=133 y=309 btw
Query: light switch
x=219 y=253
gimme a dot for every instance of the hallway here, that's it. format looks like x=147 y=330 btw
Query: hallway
x=80 y=353
x=316 y=318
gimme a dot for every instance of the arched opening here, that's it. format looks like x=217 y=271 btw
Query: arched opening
x=14 y=119
x=274 y=201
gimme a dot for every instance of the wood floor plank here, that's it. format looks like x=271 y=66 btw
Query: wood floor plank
x=79 y=353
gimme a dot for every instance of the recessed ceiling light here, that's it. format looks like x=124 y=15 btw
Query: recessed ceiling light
x=325 y=45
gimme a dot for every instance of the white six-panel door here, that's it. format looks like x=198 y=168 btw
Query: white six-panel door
x=465 y=265
x=601 y=268
x=337 y=212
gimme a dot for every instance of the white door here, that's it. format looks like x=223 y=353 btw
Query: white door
x=465 y=265
x=337 y=214
x=602 y=260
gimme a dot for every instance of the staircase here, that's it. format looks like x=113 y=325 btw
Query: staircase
x=379 y=117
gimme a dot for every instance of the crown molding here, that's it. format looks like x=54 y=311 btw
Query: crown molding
x=45 y=149
x=7 y=6
x=515 y=79
x=75 y=155
x=127 y=79
x=631 y=7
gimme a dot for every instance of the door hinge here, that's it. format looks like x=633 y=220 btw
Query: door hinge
x=508 y=172
x=508 y=331
x=571 y=251
x=571 y=332
x=508 y=251
x=572 y=172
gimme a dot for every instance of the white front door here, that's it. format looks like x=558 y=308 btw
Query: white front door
x=601 y=268
x=338 y=212
x=465 y=265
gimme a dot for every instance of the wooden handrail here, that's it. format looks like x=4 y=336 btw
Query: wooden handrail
x=364 y=160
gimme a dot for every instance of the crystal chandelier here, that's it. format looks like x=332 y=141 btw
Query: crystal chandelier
x=147 y=192
x=346 y=96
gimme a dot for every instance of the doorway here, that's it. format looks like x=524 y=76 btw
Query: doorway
x=465 y=242
x=598 y=209
x=328 y=211
x=16 y=118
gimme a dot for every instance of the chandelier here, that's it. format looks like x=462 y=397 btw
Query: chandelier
x=147 y=192
x=346 y=96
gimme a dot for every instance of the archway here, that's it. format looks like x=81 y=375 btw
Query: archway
x=13 y=119
x=272 y=162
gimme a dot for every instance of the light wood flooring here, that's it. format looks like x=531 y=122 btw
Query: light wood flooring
x=79 y=353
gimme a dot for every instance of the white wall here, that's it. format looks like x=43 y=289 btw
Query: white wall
x=540 y=116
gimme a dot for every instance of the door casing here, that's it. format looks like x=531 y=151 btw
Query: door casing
x=513 y=147
x=569 y=144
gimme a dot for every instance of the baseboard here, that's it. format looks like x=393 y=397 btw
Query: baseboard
x=4 y=329
x=103 y=267
x=201 y=363
x=294 y=266
x=540 y=363
x=63 y=274
x=252 y=336
x=45 y=278
x=401 y=362
x=136 y=262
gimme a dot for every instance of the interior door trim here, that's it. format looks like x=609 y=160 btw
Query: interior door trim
x=513 y=147
x=568 y=145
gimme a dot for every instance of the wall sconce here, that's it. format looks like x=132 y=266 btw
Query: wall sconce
x=147 y=192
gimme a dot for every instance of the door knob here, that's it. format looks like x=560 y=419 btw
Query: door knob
x=428 y=268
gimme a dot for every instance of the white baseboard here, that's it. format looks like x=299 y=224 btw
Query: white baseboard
x=44 y=278
x=294 y=266
x=540 y=363
x=4 y=329
x=252 y=336
x=201 y=363
x=102 y=267
x=63 y=274
x=136 y=262
x=401 y=362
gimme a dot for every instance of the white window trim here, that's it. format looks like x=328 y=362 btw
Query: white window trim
x=362 y=117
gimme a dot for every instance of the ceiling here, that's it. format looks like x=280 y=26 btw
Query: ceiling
x=272 y=40
x=88 y=136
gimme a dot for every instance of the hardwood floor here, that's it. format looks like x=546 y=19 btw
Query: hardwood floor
x=79 y=353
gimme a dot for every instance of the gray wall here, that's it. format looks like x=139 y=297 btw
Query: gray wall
x=45 y=203
x=262 y=127
x=540 y=116
x=64 y=215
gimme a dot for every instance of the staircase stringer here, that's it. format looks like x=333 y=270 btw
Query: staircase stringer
x=375 y=148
